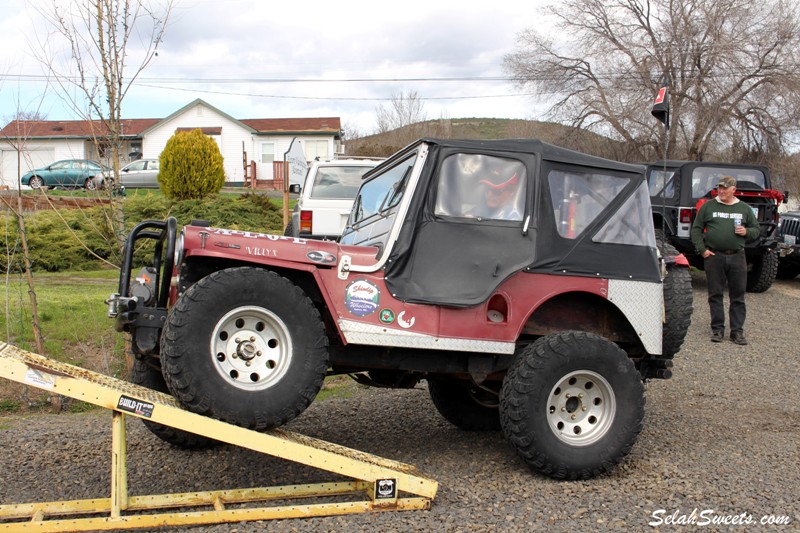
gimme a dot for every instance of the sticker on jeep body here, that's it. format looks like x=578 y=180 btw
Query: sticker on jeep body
x=362 y=297
x=324 y=258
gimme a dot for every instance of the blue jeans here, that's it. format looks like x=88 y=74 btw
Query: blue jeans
x=721 y=268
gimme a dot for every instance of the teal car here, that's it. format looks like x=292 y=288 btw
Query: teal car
x=69 y=173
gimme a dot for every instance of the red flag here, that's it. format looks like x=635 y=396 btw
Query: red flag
x=661 y=106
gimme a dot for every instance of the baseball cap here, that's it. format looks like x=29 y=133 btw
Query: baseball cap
x=513 y=180
x=726 y=181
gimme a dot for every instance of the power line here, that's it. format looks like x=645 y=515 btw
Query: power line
x=331 y=98
x=40 y=77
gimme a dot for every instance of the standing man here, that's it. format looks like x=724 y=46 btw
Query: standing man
x=719 y=232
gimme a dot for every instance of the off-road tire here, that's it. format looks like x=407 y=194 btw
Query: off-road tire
x=238 y=316
x=555 y=430
x=464 y=405
x=788 y=269
x=762 y=271
x=289 y=231
x=148 y=374
x=678 y=301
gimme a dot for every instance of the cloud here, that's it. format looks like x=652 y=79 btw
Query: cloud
x=281 y=53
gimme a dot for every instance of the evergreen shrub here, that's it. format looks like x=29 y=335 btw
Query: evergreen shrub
x=190 y=166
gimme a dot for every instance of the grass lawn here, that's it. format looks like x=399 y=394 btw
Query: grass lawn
x=77 y=331
x=73 y=321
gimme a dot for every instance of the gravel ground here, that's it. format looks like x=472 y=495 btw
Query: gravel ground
x=720 y=436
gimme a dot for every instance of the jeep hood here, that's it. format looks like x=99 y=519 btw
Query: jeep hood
x=267 y=248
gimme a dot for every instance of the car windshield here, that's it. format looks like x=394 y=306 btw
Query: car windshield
x=337 y=181
x=382 y=192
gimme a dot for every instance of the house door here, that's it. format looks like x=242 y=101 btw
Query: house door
x=267 y=159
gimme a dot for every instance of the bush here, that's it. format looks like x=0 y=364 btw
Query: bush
x=54 y=248
x=190 y=166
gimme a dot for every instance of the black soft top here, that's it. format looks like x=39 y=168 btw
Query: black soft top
x=461 y=262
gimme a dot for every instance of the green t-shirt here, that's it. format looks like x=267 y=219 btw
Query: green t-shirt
x=718 y=220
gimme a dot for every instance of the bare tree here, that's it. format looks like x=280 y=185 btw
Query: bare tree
x=101 y=36
x=18 y=142
x=405 y=109
x=32 y=116
x=733 y=68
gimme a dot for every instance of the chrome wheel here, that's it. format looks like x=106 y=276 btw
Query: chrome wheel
x=251 y=348
x=581 y=408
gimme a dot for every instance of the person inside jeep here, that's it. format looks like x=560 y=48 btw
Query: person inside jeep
x=499 y=196
x=483 y=187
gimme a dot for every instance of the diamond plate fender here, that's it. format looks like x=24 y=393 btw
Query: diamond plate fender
x=642 y=303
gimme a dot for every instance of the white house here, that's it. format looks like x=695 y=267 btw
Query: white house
x=26 y=145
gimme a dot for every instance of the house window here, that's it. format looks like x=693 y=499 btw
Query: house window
x=316 y=149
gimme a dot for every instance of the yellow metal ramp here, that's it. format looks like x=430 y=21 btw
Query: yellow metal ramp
x=378 y=484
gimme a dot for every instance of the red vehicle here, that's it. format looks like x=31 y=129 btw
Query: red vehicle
x=520 y=280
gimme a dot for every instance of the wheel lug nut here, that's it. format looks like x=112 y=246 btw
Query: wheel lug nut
x=566 y=395
x=573 y=417
x=234 y=355
x=252 y=339
x=580 y=395
x=563 y=409
x=247 y=363
x=237 y=340
x=258 y=353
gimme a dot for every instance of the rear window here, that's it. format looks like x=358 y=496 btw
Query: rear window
x=337 y=182
x=705 y=179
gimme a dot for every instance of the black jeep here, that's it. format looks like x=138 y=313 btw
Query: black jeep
x=678 y=188
x=789 y=245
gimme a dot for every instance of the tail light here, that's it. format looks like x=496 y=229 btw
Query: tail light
x=685 y=215
x=306 y=221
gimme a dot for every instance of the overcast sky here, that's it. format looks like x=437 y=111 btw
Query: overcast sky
x=344 y=58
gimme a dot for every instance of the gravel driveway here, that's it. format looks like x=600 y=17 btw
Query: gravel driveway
x=720 y=437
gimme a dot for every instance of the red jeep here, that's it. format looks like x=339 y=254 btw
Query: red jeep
x=520 y=280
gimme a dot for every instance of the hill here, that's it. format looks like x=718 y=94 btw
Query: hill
x=385 y=144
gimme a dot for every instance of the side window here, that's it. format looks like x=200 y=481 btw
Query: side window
x=153 y=165
x=138 y=165
x=631 y=224
x=662 y=183
x=578 y=197
x=481 y=187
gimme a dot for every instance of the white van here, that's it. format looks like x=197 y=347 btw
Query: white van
x=326 y=198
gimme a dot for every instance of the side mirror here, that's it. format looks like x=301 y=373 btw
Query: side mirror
x=295 y=188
